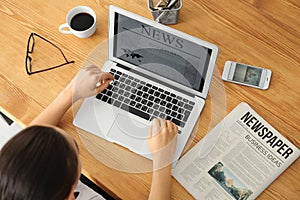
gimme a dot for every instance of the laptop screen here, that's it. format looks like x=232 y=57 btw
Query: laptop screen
x=161 y=52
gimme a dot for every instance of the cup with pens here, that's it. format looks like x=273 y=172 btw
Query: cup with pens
x=165 y=11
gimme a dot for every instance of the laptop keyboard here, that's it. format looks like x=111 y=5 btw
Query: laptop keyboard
x=146 y=100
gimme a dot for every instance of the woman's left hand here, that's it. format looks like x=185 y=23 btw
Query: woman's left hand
x=89 y=81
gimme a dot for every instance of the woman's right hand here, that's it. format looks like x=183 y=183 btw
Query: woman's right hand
x=162 y=141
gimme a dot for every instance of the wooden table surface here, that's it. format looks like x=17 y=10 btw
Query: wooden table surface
x=264 y=33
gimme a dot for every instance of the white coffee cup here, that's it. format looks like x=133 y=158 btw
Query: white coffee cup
x=81 y=21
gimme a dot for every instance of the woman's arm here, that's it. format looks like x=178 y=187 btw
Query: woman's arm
x=162 y=143
x=88 y=81
x=55 y=110
x=161 y=184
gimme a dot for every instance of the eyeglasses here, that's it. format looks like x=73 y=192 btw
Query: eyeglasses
x=30 y=47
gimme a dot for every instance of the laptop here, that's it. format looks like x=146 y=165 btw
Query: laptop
x=159 y=72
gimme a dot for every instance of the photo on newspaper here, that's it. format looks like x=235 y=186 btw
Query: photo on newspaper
x=237 y=159
x=229 y=182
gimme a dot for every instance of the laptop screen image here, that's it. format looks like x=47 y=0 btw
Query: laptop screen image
x=161 y=52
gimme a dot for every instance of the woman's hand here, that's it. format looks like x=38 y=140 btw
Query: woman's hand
x=89 y=81
x=162 y=141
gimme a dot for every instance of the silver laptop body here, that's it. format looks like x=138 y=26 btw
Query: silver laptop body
x=159 y=72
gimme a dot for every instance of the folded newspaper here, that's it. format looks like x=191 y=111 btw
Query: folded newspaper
x=237 y=159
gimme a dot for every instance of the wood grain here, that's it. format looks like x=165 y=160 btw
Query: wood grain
x=264 y=33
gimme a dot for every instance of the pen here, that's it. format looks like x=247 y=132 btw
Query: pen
x=170 y=4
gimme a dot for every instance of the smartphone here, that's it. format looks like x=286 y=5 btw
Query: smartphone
x=247 y=75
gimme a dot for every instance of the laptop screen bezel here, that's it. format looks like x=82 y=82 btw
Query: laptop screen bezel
x=210 y=69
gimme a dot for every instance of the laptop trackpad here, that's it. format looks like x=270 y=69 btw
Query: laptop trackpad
x=130 y=133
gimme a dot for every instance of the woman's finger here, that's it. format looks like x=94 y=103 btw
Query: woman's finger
x=106 y=76
x=100 y=87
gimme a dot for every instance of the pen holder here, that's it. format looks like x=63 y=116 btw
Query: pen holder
x=168 y=16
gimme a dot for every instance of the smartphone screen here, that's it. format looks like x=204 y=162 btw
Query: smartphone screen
x=247 y=75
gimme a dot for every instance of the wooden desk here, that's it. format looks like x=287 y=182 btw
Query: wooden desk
x=263 y=33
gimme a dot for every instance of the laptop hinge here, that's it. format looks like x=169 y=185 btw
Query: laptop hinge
x=156 y=80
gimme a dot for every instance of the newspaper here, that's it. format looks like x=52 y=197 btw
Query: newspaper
x=237 y=159
x=83 y=192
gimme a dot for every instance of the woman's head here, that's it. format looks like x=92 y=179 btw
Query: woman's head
x=40 y=162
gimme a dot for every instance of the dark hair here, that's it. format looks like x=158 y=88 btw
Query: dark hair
x=39 y=163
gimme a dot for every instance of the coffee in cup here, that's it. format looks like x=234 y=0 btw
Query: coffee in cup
x=81 y=21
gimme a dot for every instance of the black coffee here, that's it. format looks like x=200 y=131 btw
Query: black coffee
x=82 y=21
